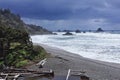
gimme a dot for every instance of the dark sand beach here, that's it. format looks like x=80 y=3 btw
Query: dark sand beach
x=62 y=60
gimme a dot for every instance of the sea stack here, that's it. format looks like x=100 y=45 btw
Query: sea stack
x=100 y=30
x=68 y=33
x=78 y=31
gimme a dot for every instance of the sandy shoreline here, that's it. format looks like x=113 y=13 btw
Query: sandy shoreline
x=63 y=60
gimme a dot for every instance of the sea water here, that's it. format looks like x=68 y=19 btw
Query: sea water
x=99 y=46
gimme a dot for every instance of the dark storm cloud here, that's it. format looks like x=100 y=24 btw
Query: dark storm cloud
x=106 y=11
x=57 y=9
x=42 y=9
x=63 y=9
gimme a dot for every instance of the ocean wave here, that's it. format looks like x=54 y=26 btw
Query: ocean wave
x=99 y=46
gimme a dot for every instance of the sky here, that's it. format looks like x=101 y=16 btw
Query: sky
x=68 y=14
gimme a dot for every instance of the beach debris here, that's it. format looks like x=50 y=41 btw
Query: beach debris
x=16 y=76
x=84 y=77
x=79 y=74
x=68 y=74
x=3 y=76
x=41 y=63
x=15 y=73
x=6 y=76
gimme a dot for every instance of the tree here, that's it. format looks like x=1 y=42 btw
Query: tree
x=18 y=39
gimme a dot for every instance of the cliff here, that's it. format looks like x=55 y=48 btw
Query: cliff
x=14 y=20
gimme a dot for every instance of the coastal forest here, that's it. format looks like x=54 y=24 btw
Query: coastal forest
x=16 y=47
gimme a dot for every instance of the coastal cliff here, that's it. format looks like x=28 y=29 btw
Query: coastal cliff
x=14 y=21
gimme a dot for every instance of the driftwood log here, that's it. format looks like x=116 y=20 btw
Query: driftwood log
x=27 y=71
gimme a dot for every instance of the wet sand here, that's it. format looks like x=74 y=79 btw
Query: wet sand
x=62 y=60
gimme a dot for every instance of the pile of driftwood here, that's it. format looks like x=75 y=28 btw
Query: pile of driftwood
x=15 y=73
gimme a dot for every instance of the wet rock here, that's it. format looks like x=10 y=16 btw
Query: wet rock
x=54 y=33
x=68 y=33
x=100 y=30
x=84 y=31
x=78 y=31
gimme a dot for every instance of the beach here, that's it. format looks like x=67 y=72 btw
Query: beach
x=61 y=61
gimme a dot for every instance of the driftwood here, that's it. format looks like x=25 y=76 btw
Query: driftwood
x=68 y=74
x=27 y=71
x=15 y=73
x=6 y=76
x=77 y=73
x=3 y=76
x=41 y=63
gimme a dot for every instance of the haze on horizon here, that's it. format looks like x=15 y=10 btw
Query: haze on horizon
x=68 y=14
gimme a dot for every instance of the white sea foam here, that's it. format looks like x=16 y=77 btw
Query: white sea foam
x=99 y=46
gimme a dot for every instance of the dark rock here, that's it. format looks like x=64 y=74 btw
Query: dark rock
x=99 y=30
x=68 y=33
x=54 y=33
x=78 y=31
x=84 y=31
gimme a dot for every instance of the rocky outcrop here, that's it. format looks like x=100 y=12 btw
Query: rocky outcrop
x=33 y=29
x=10 y=19
x=100 y=30
x=68 y=33
x=78 y=31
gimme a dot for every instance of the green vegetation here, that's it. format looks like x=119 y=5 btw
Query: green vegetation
x=21 y=63
x=37 y=49
x=16 y=48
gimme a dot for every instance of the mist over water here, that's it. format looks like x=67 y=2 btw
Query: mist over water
x=99 y=46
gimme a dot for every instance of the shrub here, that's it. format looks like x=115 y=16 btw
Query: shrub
x=21 y=63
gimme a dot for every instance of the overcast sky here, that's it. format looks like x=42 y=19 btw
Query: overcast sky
x=67 y=14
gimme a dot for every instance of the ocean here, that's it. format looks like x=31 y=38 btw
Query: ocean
x=98 y=46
